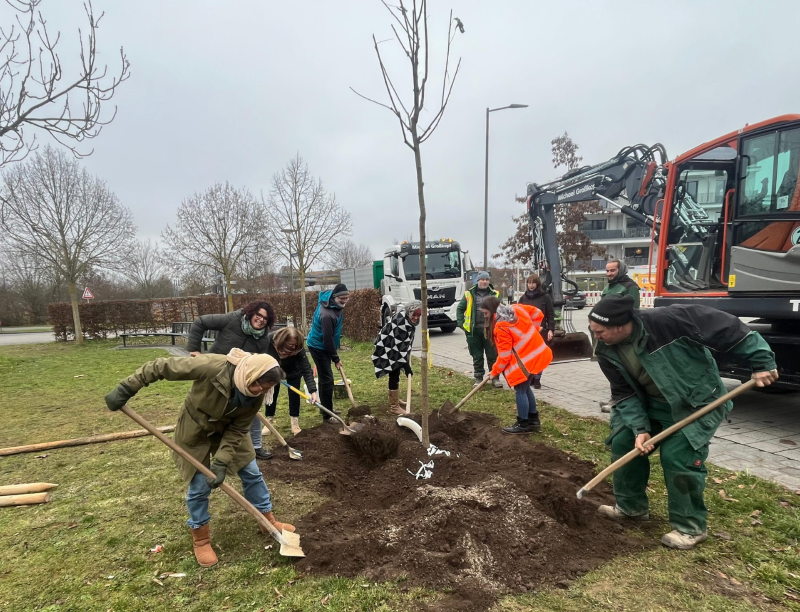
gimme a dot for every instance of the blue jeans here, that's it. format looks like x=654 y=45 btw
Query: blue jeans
x=269 y=410
x=526 y=401
x=255 y=491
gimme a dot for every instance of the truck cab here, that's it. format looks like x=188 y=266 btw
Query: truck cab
x=449 y=272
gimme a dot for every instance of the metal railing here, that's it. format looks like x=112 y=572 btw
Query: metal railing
x=605 y=234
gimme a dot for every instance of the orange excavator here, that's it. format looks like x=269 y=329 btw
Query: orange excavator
x=725 y=227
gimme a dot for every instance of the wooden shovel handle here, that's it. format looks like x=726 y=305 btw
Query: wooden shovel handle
x=408 y=394
x=627 y=458
x=233 y=493
x=346 y=384
x=272 y=429
x=477 y=388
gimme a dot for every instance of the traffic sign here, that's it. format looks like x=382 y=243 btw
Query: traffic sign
x=87 y=295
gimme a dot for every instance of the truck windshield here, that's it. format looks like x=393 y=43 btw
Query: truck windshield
x=438 y=265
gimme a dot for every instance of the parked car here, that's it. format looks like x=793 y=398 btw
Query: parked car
x=576 y=300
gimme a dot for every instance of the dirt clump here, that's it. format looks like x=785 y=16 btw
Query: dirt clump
x=356 y=412
x=497 y=515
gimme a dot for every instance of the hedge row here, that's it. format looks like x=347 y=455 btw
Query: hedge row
x=102 y=319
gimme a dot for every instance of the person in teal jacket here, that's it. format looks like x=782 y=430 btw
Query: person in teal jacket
x=661 y=370
x=324 y=338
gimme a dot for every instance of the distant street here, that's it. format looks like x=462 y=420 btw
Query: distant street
x=26 y=338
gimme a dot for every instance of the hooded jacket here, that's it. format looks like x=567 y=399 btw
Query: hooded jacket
x=519 y=343
x=326 y=327
x=623 y=285
x=208 y=423
x=673 y=345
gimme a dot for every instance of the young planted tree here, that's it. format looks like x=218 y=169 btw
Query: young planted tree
x=214 y=231
x=304 y=216
x=573 y=244
x=410 y=29
x=54 y=211
x=38 y=95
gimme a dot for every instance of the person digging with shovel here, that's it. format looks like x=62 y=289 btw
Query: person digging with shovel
x=392 y=353
x=521 y=353
x=213 y=427
x=661 y=370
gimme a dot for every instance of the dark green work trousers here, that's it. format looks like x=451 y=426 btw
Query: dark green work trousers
x=684 y=473
x=478 y=345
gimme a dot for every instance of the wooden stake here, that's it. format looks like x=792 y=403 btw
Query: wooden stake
x=121 y=435
x=24 y=500
x=33 y=487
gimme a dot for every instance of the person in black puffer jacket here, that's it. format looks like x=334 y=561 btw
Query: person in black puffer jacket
x=245 y=328
x=534 y=296
x=287 y=347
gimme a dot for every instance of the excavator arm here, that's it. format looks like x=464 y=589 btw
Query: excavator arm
x=634 y=180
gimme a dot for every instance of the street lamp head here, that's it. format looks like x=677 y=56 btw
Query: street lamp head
x=518 y=106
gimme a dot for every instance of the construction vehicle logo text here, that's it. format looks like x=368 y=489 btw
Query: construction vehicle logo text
x=574 y=192
x=795 y=305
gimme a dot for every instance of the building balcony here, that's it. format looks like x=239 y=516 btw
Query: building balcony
x=603 y=234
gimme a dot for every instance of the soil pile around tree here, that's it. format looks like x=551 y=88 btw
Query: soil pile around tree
x=498 y=515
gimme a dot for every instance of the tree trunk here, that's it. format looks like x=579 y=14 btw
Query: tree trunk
x=76 y=315
x=230 y=297
x=303 y=318
x=423 y=292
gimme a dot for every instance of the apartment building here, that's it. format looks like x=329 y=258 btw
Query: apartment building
x=623 y=238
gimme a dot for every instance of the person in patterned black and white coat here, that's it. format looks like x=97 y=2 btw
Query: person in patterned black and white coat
x=392 y=352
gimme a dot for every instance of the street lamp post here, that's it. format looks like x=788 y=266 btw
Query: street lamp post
x=486 y=185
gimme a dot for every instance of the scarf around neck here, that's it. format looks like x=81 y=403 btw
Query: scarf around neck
x=248 y=328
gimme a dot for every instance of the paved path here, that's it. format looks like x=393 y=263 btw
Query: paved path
x=26 y=338
x=763 y=435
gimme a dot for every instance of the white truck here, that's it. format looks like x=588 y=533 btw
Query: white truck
x=449 y=271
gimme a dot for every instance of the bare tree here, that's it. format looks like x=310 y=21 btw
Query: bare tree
x=573 y=244
x=214 y=231
x=147 y=268
x=53 y=210
x=351 y=255
x=35 y=92
x=32 y=282
x=306 y=218
x=410 y=29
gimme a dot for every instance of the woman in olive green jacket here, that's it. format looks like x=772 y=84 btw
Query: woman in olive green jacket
x=227 y=393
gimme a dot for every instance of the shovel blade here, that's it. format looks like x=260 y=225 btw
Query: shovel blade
x=447 y=408
x=351 y=429
x=295 y=454
x=290 y=547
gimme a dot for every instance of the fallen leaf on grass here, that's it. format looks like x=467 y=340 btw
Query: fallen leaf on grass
x=716 y=481
x=158 y=582
x=735 y=582
x=755 y=522
x=724 y=535
x=791 y=596
x=755 y=513
x=324 y=601
x=785 y=504
x=78 y=376
x=41 y=457
x=724 y=496
x=721 y=575
x=741 y=486
x=739 y=521
x=172 y=575
x=280 y=595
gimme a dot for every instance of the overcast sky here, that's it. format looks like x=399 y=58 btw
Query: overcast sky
x=232 y=90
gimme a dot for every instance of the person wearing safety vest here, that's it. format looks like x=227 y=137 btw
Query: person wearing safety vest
x=521 y=353
x=470 y=319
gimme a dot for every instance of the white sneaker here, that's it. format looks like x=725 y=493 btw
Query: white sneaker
x=265 y=430
x=683 y=541
x=613 y=512
x=295 y=425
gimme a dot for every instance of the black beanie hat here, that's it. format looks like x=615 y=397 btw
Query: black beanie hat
x=338 y=290
x=613 y=310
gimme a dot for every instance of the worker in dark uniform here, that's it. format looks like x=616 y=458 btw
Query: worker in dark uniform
x=661 y=370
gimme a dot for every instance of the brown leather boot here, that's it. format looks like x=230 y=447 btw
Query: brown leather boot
x=394 y=402
x=279 y=526
x=201 y=540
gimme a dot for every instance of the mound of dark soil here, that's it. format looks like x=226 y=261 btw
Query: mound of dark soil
x=499 y=515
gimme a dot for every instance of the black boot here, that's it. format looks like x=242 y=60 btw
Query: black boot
x=263 y=454
x=522 y=426
x=535 y=424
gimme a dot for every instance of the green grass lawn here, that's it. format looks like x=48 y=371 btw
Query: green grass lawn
x=88 y=550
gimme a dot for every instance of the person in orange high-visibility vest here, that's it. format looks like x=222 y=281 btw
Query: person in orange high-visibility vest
x=521 y=353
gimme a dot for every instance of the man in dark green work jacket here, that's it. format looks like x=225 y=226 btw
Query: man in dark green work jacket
x=619 y=281
x=661 y=370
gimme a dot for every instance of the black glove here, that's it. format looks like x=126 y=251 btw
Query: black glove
x=219 y=470
x=407 y=369
x=119 y=397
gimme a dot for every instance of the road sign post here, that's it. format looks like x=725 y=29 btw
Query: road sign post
x=87 y=295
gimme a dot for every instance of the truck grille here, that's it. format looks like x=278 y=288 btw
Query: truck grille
x=441 y=298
